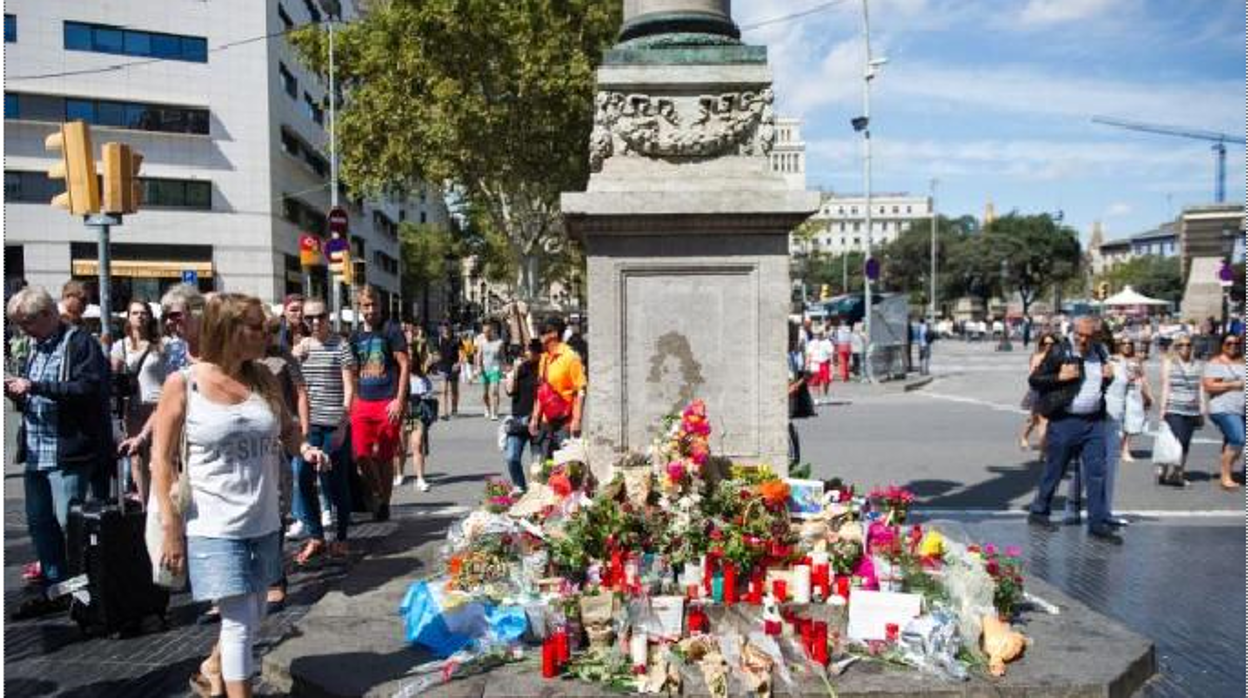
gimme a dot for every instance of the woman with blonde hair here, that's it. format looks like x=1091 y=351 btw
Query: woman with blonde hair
x=139 y=367
x=227 y=411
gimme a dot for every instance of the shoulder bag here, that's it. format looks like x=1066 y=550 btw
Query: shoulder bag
x=553 y=406
x=180 y=498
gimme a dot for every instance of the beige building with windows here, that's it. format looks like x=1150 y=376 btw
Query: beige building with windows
x=842 y=221
x=233 y=134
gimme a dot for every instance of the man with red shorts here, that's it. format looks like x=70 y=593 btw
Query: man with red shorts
x=381 y=374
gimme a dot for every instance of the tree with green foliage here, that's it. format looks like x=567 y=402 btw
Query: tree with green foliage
x=492 y=96
x=1152 y=275
x=425 y=249
x=1030 y=254
x=906 y=262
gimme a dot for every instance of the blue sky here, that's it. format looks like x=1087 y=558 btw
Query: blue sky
x=993 y=98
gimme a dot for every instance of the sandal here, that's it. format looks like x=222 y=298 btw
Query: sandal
x=311 y=550
x=207 y=685
x=275 y=600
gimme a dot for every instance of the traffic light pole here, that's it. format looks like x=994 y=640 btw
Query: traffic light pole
x=101 y=223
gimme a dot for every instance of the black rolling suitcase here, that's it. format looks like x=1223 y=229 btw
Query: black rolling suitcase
x=105 y=541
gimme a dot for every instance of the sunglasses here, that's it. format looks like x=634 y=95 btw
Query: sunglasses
x=316 y=316
x=1230 y=342
x=174 y=316
x=1184 y=345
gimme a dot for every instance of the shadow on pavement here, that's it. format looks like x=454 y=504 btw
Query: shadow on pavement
x=1007 y=484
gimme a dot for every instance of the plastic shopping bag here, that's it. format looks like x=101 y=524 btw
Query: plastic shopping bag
x=1166 y=447
x=445 y=623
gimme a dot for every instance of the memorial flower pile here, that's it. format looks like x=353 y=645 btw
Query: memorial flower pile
x=626 y=576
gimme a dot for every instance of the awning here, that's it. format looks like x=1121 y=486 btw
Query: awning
x=142 y=269
x=1129 y=296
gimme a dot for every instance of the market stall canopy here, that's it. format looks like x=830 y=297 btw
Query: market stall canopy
x=1129 y=296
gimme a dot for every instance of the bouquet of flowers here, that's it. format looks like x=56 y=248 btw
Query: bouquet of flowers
x=894 y=500
x=1006 y=570
x=498 y=496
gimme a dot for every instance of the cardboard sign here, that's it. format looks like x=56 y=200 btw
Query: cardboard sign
x=870 y=611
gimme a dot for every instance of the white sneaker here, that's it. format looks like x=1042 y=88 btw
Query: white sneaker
x=398 y=480
x=296 y=531
x=327 y=518
x=421 y=485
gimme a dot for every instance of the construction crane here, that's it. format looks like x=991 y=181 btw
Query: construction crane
x=1219 y=144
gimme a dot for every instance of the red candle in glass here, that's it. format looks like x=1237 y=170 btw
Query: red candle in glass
x=890 y=631
x=771 y=627
x=806 y=629
x=819 y=640
x=708 y=573
x=697 y=621
x=617 y=568
x=730 y=584
x=562 y=653
x=549 y=659
x=842 y=587
x=780 y=589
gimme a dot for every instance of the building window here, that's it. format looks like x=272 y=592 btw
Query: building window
x=287 y=22
x=291 y=145
x=10 y=29
x=313 y=13
x=30 y=187
x=137 y=116
x=100 y=38
x=424 y=218
x=853 y=210
x=11 y=107
x=177 y=193
x=857 y=241
x=857 y=226
x=907 y=209
x=303 y=216
x=313 y=109
x=289 y=83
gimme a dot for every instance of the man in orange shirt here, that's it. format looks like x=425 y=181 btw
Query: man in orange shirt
x=560 y=390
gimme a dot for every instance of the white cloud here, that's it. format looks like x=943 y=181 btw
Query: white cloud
x=1043 y=12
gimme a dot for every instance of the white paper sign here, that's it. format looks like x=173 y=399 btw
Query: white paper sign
x=870 y=611
x=668 y=615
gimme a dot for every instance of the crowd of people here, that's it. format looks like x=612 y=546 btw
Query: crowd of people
x=270 y=417
x=1089 y=395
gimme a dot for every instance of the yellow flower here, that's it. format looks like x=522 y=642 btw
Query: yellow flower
x=933 y=545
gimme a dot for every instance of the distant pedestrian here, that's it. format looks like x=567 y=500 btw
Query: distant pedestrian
x=450 y=363
x=489 y=361
x=1035 y=421
x=1129 y=397
x=293 y=328
x=73 y=302
x=801 y=404
x=382 y=375
x=844 y=348
x=326 y=361
x=422 y=407
x=857 y=345
x=818 y=362
x=521 y=385
x=924 y=337
x=1182 y=405
x=1224 y=382
x=234 y=418
x=560 y=390
x=140 y=366
x=1070 y=385
x=65 y=433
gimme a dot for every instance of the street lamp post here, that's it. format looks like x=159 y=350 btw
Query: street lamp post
x=1005 y=314
x=863 y=124
x=932 y=310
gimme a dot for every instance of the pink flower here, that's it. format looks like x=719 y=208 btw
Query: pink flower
x=675 y=471
x=990 y=549
x=866 y=570
x=1013 y=551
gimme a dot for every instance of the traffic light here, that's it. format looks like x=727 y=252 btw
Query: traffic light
x=825 y=292
x=1102 y=290
x=123 y=193
x=357 y=272
x=77 y=168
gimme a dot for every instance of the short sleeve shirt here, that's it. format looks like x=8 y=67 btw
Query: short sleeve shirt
x=564 y=371
x=322 y=367
x=151 y=374
x=378 y=369
x=491 y=353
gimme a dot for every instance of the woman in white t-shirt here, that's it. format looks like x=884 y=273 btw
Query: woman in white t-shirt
x=236 y=425
x=140 y=354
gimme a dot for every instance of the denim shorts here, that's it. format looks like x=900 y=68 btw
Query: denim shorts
x=224 y=567
x=1232 y=426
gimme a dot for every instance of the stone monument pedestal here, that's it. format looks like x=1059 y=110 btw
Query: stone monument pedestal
x=685 y=228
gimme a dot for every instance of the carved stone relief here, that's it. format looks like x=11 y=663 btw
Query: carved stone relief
x=680 y=127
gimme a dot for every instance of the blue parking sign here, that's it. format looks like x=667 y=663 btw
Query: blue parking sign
x=190 y=276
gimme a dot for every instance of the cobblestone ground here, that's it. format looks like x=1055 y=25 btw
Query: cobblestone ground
x=50 y=657
x=1180 y=584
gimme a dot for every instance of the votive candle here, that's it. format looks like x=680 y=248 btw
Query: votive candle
x=801 y=584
